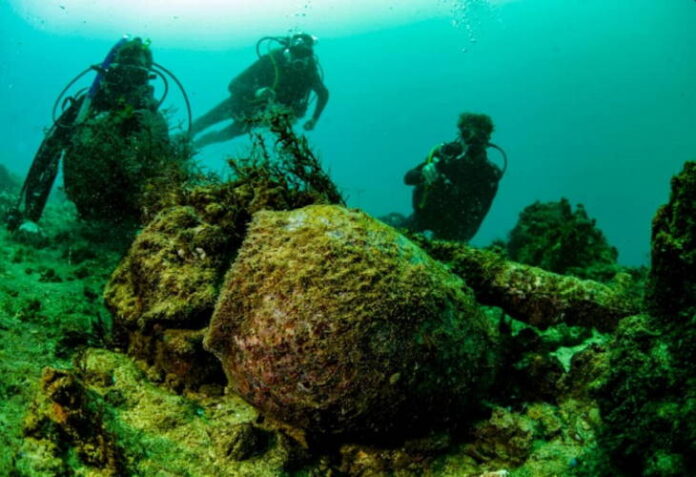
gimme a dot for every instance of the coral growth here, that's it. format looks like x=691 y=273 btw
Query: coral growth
x=67 y=415
x=648 y=398
x=554 y=237
x=106 y=418
x=673 y=268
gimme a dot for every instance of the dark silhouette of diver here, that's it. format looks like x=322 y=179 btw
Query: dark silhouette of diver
x=119 y=96
x=456 y=184
x=285 y=76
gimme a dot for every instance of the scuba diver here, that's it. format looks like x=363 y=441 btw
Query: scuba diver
x=111 y=138
x=456 y=184
x=285 y=76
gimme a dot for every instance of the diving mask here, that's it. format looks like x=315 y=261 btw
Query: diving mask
x=299 y=51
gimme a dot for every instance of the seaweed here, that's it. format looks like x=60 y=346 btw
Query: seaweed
x=294 y=164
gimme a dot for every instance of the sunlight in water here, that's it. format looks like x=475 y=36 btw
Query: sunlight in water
x=211 y=22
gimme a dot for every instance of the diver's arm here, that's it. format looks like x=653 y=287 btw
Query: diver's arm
x=414 y=176
x=322 y=93
x=429 y=170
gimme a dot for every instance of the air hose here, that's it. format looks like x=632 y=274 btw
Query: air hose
x=67 y=87
x=159 y=70
x=155 y=68
x=505 y=159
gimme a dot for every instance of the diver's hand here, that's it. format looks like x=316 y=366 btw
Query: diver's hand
x=264 y=94
x=309 y=125
x=430 y=172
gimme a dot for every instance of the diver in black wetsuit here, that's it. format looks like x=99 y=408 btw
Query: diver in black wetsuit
x=284 y=76
x=456 y=184
x=110 y=138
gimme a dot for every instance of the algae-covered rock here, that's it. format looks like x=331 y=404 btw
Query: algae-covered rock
x=162 y=295
x=65 y=414
x=648 y=401
x=163 y=292
x=648 y=396
x=556 y=238
x=535 y=296
x=673 y=267
x=335 y=323
x=112 y=159
x=170 y=273
x=106 y=418
x=413 y=458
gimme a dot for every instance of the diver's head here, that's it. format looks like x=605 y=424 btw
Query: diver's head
x=475 y=128
x=131 y=64
x=134 y=53
x=302 y=45
x=300 y=49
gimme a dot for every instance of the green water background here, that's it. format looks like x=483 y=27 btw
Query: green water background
x=593 y=100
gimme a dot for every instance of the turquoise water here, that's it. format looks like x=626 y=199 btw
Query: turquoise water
x=593 y=100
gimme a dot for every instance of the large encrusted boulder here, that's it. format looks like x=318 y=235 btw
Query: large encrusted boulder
x=170 y=272
x=334 y=323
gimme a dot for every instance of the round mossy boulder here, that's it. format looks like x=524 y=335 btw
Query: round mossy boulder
x=334 y=323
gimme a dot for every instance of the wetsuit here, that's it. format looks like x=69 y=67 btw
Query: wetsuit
x=454 y=205
x=291 y=84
